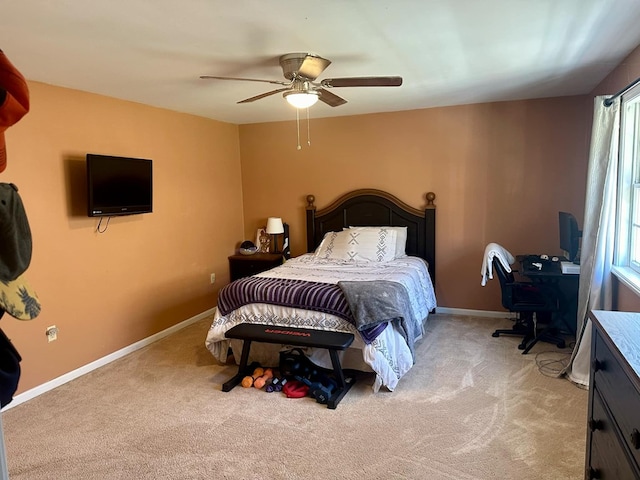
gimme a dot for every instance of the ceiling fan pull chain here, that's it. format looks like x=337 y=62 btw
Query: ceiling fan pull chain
x=298 y=127
x=308 y=129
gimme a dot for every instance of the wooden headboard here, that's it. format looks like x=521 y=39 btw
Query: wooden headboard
x=369 y=207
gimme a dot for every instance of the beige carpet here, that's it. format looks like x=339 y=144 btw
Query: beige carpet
x=472 y=407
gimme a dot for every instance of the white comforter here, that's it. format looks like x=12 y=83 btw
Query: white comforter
x=388 y=355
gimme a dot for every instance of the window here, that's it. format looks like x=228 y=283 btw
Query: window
x=628 y=215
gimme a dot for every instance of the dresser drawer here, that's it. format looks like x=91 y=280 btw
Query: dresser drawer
x=244 y=269
x=608 y=461
x=621 y=396
x=246 y=265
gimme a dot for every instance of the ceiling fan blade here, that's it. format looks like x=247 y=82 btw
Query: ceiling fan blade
x=312 y=66
x=329 y=98
x=263 y=95
x=362 y=82
x=275 y=82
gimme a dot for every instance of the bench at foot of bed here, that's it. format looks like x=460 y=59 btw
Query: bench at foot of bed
x=299 y=337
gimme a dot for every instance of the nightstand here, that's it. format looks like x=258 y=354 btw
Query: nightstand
x=247 y=265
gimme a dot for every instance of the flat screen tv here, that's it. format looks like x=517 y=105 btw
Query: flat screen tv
x=569 y=235
x=118 y=185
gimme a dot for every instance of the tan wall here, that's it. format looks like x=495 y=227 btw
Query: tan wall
x=501 y=171
x=146 y=272
x=626 y=299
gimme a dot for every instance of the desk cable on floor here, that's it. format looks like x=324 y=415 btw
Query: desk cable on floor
x=552 y=363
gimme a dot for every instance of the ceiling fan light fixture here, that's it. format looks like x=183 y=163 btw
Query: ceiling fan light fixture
x=301 y=99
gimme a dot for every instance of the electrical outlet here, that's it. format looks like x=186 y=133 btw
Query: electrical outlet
x=213 y=278
x=52 y=333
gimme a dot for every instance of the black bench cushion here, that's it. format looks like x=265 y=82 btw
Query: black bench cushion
x=303 y=337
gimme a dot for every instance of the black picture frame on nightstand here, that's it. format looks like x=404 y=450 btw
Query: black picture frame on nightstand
x=246 y=265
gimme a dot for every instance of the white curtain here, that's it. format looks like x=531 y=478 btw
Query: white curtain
x=596 y=256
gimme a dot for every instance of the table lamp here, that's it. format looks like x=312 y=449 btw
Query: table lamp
x=274 y=228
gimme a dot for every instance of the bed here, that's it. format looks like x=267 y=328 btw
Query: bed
x=365 y=241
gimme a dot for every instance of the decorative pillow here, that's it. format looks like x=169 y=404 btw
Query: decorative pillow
x=401 y=238
x=325 y=249
x=376 y=245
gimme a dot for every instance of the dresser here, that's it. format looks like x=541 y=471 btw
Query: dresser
x=613 y=428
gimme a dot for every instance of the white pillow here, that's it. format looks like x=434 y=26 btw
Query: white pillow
x=401 y=238
x=376 y=245
x=326 y=245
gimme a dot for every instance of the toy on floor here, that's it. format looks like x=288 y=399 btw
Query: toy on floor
x=319 y=387
x=248 y=381
x=295 y=389
x=276 y=384
x=262 y=380
x=258 y=379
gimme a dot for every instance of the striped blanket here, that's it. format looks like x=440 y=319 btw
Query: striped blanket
x=321 y=297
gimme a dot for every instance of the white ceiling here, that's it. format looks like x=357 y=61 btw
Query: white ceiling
x=448 y=51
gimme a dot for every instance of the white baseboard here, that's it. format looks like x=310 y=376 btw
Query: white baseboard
x=473 y=313
x=67 y=377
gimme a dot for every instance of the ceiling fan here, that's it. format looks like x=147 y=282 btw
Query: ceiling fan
x=301 y=88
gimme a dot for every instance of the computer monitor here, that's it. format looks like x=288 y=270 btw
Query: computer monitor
x=569 y=236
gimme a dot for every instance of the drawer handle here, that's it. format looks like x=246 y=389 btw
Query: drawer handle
x=595 y=425
x=596 y=365
x=635 y=439
x=592 y=473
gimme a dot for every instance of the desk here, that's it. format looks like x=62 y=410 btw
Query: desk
x=565 y=285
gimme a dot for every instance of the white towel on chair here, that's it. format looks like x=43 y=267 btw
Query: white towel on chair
x=493 y=250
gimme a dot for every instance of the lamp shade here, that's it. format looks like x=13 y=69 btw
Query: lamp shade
x=301 y=99
x=274 y=226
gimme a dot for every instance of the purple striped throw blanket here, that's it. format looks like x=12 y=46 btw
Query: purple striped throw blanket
x=320 y=297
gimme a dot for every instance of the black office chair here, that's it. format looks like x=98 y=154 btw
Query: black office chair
x=533 y=304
